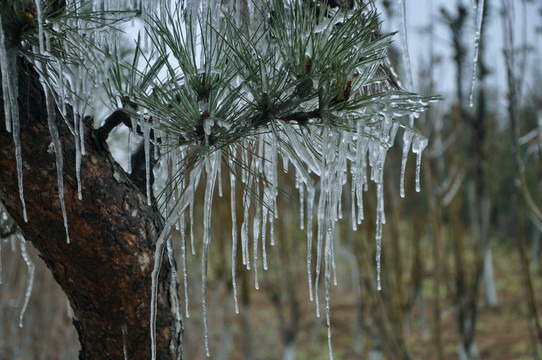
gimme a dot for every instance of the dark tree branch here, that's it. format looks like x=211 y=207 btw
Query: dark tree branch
x=302 y=118
x=115 y=119
x=106 y=269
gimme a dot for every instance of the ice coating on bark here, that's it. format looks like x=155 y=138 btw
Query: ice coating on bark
x=8 y=67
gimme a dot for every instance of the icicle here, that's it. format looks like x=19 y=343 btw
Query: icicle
x=147 y=146
x=479 y=9
x=40 y=26
x=0 y=261
x=299 y=186
x=328 y=311
x=156 y=151
x=234 y=240
x=378 y=168
x=418 y=145
x=53 y=131
x=285 y=164
x=159 y=252
x=256 y=221
x=404 y=44
x=193 y=185
x=271 y=230
x=271 y=164
x=264 y=227
x=319 y=242
x=191 y=217
x=18 y=153
x=6 y=81
x=77 y=141
x=407 y=140
x=31 y=269
x=8 y=66
x=378 y=238
x=255 y=238
x=61 y=87
x=129 y=152
x=185 y=263
x=173 y=286
x=213 y=161
x=161 y=244
x=360 y=169
x=353 y=200
x=270 y=191
x=220 y=192
x=332 y=255
x=124 y=350
x=246 y=178
x=324 y=214
x=82 y=133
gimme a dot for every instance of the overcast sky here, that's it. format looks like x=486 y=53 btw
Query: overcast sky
x=419 y=13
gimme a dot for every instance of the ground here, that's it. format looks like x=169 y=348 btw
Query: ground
x=502 y=333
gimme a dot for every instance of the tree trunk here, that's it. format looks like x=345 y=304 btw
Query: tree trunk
x=106 y=269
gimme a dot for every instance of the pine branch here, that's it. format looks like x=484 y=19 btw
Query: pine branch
x=117 y=118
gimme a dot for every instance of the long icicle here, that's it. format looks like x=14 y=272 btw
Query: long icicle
x=161 y=243
x=158 y=254
x=8 y=65
x=404 y=44
x=16 y=130
x=212 y=163
x=234 y=237
x=310 y=206
x=5 y=70
x=479 y=17
x=51 y=122
x=173 y=286
x=147 y=147
x=407 y=141
x=185 y=264
x=31 y=270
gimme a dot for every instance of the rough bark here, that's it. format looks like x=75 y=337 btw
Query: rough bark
x=106 y=269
